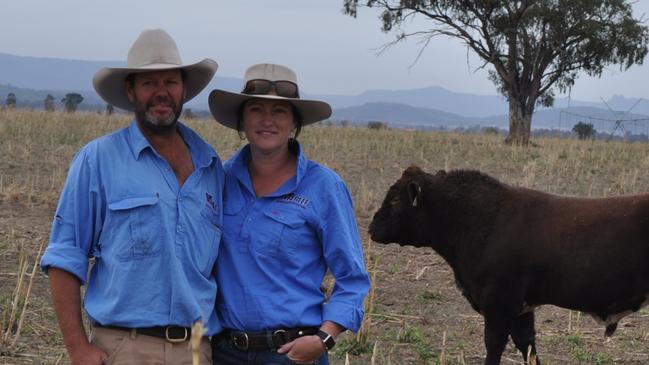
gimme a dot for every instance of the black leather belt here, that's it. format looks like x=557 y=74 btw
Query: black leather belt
x=266 y=340
x=170 y=333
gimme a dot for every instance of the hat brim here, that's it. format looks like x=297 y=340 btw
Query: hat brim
x=109 y=82
x=224 y=106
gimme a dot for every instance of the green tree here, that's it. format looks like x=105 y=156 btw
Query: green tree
x=532 y=46
x=48 y=103
x=584 y=130
x=71 y=101
x=11 y=101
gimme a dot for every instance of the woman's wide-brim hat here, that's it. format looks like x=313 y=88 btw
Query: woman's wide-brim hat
x=154 y=50
x=225 y=105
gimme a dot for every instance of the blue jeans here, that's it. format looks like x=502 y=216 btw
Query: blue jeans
x=224 y=353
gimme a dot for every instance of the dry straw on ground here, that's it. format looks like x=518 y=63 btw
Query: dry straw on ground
x=415 y=314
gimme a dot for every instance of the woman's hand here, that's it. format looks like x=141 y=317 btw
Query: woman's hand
x=304 y=350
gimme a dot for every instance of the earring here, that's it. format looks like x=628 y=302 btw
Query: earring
x=242 y=135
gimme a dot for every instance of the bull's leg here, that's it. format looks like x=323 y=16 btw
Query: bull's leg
x=502 y=304
x=523 y=334
x=496 y=333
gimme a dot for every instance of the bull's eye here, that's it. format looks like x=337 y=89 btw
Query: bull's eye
x=395 y=201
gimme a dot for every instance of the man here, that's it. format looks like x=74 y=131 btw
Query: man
x=145 y=203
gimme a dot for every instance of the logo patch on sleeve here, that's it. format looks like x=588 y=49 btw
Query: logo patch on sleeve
x=295 y=199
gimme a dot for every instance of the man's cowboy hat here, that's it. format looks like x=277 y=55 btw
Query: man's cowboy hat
x=225 y=105
x=154 y=50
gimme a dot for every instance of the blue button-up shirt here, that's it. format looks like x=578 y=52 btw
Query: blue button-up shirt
x=154 y=243
x=277 y=248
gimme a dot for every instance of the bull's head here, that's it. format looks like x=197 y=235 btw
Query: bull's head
x=403 y=213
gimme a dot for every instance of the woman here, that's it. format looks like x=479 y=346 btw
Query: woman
x=286 y=221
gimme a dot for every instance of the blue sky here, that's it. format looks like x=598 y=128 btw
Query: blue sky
x=332 y=53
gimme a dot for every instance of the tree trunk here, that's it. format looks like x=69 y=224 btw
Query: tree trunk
x=520 y=124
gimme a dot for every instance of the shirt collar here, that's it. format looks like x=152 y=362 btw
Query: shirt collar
x=137 y=141
x=240 y=170
x=302 y=163
x=202 y=153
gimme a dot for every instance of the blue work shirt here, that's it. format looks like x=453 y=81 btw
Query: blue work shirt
x=154 y=242
x=277 y=248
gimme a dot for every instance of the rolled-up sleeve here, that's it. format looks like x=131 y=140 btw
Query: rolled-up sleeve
x=344 y=256
x=76 y=221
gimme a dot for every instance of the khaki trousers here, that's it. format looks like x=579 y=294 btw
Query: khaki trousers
x=131 y=348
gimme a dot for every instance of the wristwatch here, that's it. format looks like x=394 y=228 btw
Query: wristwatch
x=327 y=339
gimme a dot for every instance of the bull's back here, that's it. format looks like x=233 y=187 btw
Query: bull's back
x=577 y=253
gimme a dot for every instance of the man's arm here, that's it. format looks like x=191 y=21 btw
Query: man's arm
x=332 y=328
x=66 y=295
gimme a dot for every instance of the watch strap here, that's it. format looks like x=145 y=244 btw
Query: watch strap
x=327 y=339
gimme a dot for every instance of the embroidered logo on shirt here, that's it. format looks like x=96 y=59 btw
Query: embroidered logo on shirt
x=211 y=204
x=211 y=210
x=295 y=199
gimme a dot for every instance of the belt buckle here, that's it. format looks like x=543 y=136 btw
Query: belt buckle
x=236 y=338
x=176 y=340
x=282 y=335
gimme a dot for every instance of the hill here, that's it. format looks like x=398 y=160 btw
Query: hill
x=434 y=97
x=401 y=115
x=30 y=98
x=32 y=78
x=42 y=76
x=396 y=114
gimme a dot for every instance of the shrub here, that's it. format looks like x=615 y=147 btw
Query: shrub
x=376 y=125
x=584 y=130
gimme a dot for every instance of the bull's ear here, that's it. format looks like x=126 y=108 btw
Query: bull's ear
x=414 y=193
x=411 y=171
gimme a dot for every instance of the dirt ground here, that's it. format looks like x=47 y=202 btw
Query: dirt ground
x=416 y=305
x=415 y=315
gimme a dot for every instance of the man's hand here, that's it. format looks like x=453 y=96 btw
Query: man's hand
x=66 y=296
x=303 y=350
x=87 y=354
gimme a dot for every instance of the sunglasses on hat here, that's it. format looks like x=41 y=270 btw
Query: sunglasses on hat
x=282 y=88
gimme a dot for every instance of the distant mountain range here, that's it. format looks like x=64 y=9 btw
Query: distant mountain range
x=31 y=79
x=401 y=115
x=31 y=76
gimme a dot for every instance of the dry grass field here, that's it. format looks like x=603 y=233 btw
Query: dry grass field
x=415 y=314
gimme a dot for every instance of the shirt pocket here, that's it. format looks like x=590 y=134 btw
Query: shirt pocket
x=138 y=226
x=280 y=236
x=211 y=216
